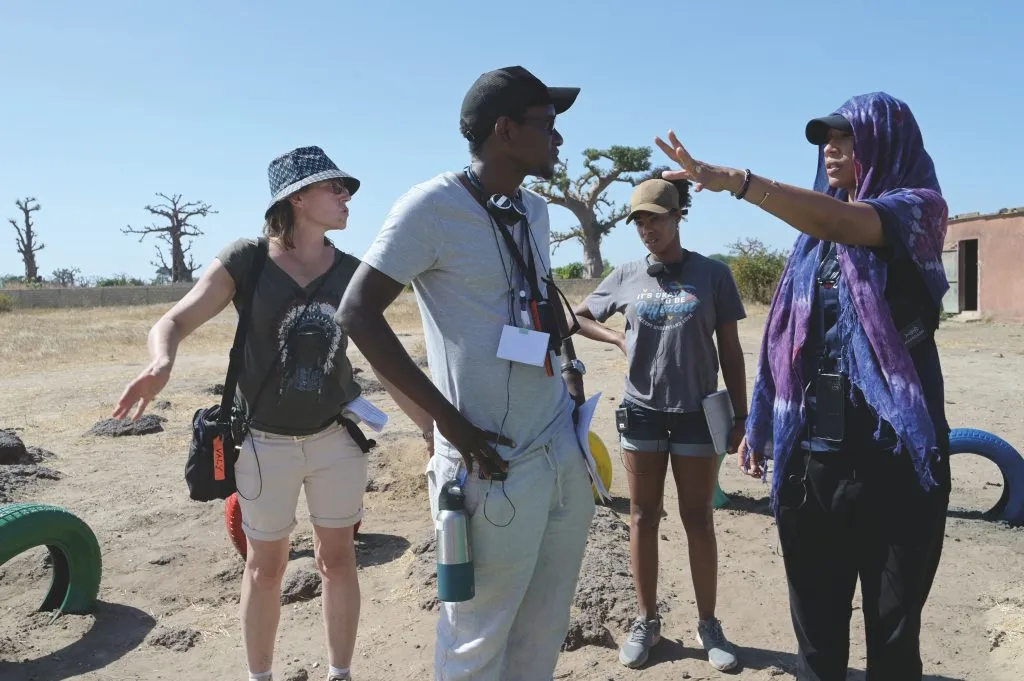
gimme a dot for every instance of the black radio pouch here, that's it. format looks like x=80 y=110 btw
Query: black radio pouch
x=830 y=391
x=622 y=419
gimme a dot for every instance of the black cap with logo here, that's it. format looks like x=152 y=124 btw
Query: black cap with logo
x=507 y=92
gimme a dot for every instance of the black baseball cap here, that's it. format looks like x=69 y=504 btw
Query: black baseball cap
x=817 y=129
x=506 y=92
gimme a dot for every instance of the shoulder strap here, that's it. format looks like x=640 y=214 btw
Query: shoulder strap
x=238 y=345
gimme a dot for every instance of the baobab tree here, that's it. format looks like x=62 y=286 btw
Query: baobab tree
x=586 y=197
x=26 y=241
x=178 y=214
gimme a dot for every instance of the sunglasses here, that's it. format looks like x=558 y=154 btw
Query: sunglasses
x=334 y=186
x=547 y=123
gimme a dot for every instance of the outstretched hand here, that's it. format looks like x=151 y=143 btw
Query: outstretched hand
x=142 y=390
x=703 y=175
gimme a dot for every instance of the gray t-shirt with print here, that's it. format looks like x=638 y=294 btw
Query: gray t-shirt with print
x=313 y=378
x=670 y=326
x=440 y=239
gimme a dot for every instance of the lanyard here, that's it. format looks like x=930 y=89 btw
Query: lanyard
x=527 y=265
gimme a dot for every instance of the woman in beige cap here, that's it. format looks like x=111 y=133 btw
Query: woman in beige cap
x=677 y=303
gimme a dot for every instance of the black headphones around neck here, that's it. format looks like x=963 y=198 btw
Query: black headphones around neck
x=509 y=211
x=673 y=269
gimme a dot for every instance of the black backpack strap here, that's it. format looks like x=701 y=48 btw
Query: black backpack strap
x=365 y=444
x=238 y=345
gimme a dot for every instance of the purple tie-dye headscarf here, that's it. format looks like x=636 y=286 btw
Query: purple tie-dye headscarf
x=895 y=174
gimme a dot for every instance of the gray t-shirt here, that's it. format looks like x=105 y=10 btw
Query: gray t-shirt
x=440 y=239
x=670 y=326
x=313 y=378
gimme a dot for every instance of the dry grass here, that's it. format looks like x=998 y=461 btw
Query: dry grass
x=30 y=339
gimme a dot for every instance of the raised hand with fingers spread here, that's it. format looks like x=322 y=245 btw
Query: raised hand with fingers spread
x=703 y=175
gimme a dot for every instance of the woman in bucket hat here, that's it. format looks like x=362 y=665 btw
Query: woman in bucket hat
x=677 y=304
x=293 y=389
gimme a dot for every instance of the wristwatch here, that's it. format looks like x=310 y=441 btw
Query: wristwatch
x=575 y=365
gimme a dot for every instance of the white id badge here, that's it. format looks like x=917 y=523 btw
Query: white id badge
x=523 y=345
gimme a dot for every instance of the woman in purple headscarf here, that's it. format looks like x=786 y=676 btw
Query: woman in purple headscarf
x=848 y=395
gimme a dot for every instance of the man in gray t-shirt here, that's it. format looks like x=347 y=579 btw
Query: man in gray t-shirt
x=670 y=327
x=469 y=262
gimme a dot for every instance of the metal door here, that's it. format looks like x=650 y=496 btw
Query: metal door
x=951 y=264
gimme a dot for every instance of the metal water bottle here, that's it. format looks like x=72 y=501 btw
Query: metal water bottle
x=454 y=559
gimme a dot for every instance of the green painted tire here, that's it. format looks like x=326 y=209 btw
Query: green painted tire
x=77 y=563
x=720 y=499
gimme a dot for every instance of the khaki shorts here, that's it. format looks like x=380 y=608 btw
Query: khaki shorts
x=272 y=468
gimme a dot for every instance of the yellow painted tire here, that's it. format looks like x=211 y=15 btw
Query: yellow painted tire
x=603 y=461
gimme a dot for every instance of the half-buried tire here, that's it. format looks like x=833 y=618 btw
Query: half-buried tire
x=233 y=521
x=1010 y=506
x=77 y=563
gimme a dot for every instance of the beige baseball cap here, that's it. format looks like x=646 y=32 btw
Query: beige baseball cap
x=653 y=196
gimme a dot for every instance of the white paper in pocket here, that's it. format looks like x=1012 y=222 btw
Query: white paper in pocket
x=523 y=345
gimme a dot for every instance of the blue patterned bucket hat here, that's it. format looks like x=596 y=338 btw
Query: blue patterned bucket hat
x=290 y=172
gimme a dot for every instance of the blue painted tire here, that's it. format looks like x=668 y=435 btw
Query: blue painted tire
x=1010 y=506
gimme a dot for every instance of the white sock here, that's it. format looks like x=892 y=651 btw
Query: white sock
x=262 y=676
x=332 y=671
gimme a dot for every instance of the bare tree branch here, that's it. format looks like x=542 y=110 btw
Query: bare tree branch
x=178 y=214
x=586 y=197
x=559 y=238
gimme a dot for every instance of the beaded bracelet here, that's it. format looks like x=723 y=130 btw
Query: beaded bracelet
x=746 y=185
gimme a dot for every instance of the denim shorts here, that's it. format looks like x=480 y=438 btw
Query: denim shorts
x=682 y=434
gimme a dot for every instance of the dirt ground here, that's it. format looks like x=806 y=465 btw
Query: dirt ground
x=168 y=599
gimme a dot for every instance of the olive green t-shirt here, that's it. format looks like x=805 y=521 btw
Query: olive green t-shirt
x=313 y=379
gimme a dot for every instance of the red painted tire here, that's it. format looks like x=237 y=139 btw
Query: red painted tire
x=233 y=520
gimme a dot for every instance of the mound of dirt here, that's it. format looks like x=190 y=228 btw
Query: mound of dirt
x=145 y=425
x=605 y=594
x=423 y=571
x=12 y=449
x=215 y=389
x=19 y=465
x=178 y=640
x=369 y=384
x=301 y=585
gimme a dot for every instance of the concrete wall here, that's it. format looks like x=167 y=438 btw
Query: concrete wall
x=574 y=289
x=95 y=297
x=577 y=289
x=1000 y=252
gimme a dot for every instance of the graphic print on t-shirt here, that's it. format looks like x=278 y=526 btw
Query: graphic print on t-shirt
x=671 y=305
x=308 y=346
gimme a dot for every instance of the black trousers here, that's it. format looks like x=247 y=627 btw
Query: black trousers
x=860 y=514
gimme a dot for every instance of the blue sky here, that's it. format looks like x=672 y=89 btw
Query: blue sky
x=106 y=103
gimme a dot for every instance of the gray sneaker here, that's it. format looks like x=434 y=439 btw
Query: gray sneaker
x=340 y=677
x=643 y=635
x=721 y=653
